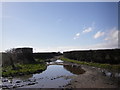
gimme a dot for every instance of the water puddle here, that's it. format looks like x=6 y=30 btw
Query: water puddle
x=55 y=76
x=59 y=61
x=74 y=69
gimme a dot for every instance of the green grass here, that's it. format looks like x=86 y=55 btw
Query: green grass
x=106 y=66
x=23 y=69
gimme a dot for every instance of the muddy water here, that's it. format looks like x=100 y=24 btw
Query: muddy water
x=74 y=69
x=55 y=76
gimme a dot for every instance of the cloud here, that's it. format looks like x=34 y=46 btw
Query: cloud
x=104 y=45
x=85 y=30
x=76 y=36
x=110 y=41
x=89 y=29
x=112 y=35
x=99 y=34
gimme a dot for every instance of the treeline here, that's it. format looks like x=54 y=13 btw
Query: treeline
x=24 y=56
x=111 y=56
x=46 y=55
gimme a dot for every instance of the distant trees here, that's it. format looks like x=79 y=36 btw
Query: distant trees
x=110 y=56
x=46 y=55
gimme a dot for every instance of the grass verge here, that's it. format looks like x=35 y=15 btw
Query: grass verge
x=23 y=69
x=106 y=66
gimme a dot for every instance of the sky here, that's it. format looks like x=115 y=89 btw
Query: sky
x=59 y=26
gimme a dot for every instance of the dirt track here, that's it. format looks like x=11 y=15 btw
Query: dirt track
x=92 y=78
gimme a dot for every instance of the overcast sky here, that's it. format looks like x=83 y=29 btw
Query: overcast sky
x=59 y=26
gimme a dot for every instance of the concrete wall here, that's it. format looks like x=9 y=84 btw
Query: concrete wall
x=24 y=55
x=101 y=56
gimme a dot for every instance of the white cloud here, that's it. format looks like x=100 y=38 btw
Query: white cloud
x=104 y=45
x=76 y=36
x=110 y=41
x=85 y=30
x=99 y=34
x=89 y=29
x=112 y=35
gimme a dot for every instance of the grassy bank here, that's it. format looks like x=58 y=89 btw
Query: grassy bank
x=22 y=69
x=106 y=66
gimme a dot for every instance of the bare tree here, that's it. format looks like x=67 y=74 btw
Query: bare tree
x=11 y=54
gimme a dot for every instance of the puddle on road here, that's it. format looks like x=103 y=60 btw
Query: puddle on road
x=55 y=76
x=74 y=69
x=59 y=61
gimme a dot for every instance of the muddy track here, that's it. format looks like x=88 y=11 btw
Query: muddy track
x=93 y=78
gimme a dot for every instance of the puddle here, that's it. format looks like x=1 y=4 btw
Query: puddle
x=55 y=62
x=59 y=61
x=55 y=76
x=74 y=69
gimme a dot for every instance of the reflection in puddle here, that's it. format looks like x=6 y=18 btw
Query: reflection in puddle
x=74 y=69
x=55 y=76
x=59 y=61
x=55 y=62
